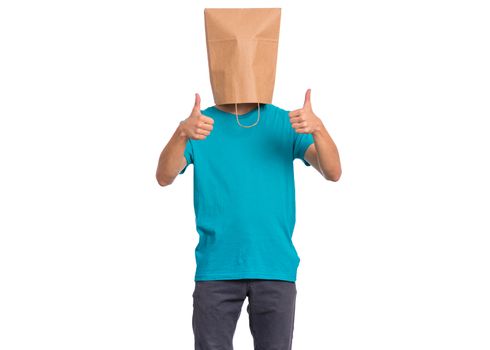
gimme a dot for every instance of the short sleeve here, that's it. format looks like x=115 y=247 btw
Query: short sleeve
x=188 y=154
x=300 y=145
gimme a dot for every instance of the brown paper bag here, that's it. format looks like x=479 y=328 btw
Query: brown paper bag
x=242 y=48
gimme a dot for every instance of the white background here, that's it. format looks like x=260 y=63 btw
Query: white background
x=94 y=254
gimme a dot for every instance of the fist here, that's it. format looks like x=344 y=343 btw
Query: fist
x=197 y=126
x=303 y=120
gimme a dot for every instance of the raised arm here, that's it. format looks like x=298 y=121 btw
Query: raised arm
x=172 y=160
x=323 y=154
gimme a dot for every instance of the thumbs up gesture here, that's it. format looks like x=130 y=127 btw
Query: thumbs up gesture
x=303 y=120
x=197 y=126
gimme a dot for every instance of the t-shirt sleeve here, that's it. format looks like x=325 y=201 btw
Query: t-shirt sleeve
x=188 y=154
x=301 y=144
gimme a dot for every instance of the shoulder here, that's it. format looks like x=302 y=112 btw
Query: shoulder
x=281 y=120
x=275 y=108
x=208 y=110
x=280 y=112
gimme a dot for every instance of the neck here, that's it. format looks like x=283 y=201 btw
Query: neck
x=241 y=108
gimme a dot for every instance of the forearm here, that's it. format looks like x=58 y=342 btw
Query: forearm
x=171 y=158
x=327 y=152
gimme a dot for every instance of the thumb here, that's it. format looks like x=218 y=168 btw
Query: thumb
x=307 y=98
x=197 y=103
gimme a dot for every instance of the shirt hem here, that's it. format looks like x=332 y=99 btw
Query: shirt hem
x=243 y=275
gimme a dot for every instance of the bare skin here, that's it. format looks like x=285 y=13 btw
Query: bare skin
x=322 y=154
x=242 y=108
x=196 y=127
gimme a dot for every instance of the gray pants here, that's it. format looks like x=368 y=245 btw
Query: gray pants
x=218 y=304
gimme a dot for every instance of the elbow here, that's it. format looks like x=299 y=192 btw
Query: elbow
x=164 y=181
x=335 y=176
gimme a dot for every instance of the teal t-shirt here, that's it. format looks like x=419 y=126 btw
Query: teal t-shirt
x=244 y=195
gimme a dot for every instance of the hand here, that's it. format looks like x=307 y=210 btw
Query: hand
x=197 y=126
x=303 y=120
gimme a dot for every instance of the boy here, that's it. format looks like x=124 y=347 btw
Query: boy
x=244 y=200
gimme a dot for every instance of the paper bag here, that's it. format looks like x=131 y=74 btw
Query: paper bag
x=242 y=48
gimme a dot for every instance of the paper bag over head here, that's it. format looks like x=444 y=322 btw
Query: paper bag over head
x=242 y=48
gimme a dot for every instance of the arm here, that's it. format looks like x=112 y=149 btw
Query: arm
x=322 y=154
x=172 y=159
